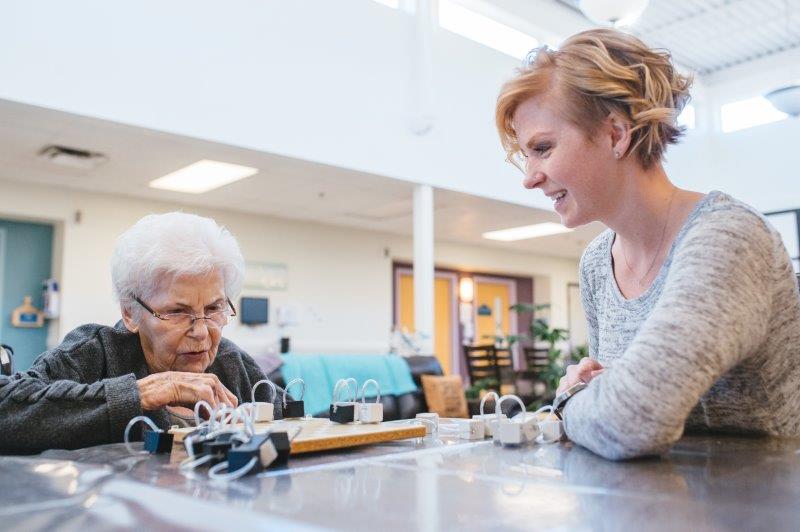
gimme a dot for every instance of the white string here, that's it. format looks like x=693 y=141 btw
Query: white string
x=191 y=462
x=340 y=384
x=133 y=422
x=271 y=387
x=485 y=397
x=364 y=390
x=214 y=471
x=302 y=389
x=198 y=421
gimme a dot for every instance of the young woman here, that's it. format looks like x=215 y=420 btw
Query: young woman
x=691 y=300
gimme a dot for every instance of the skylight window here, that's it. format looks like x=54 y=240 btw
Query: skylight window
x=394 y=4
x=484 y=30
x=687 y=117
x=748 y=113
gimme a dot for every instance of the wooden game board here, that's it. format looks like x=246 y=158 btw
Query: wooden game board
x=317 y=434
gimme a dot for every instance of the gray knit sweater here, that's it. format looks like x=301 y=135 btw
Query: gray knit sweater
x=713 y=344
x=84 y=391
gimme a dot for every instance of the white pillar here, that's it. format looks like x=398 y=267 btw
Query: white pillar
x=423 y=266
x=421 y=80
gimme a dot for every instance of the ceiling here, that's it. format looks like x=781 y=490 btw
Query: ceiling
x=708 y=36
x=284 y=187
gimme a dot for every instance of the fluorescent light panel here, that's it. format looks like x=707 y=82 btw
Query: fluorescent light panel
x=484 y=30
x=748 y=113
x=202 y=176
x=527 y=231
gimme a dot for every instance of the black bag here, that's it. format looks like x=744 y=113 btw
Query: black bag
x=6 y=353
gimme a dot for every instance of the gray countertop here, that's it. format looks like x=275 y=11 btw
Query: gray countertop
x=704 y=483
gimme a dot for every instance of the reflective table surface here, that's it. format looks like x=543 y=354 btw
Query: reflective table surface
x=704 y=483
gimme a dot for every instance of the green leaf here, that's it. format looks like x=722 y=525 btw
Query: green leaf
x=527 y=308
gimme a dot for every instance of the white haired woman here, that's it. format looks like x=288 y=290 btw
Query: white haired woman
x=174 y=275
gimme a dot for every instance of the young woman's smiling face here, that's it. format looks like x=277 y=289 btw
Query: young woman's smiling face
x=576 y=172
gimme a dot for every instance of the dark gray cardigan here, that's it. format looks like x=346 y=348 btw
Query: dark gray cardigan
x=84 y=391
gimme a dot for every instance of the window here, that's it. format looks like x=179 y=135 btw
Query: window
x=687 y=117
x=484 y=30
x=748 y=113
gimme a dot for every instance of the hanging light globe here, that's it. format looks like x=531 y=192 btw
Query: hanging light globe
x=613 y=12
x=786 y=99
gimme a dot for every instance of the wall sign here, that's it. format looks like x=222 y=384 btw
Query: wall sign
x=266 y=276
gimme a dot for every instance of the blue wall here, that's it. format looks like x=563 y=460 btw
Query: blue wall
x=28 y=257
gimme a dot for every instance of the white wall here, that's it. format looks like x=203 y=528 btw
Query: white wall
x=338 y=277
x=319 y=80
x=759 y=165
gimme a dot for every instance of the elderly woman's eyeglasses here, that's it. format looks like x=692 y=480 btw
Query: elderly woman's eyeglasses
x=218 y=317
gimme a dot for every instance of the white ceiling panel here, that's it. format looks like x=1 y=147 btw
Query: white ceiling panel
x=709 y=36
x=283 y=187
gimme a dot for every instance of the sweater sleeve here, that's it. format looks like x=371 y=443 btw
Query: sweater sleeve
x=713 y=312
x=50 y=407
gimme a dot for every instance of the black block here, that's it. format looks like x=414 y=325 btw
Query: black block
x=220 y=445
x=343 y=413
x=282 y=444
x=294 y=409
x=157 y=442
x=240 y=456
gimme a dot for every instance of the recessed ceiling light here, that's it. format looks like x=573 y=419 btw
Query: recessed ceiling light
x=526 y=231
x=202 y=176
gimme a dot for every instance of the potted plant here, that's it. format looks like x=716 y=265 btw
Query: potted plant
x=540 y=333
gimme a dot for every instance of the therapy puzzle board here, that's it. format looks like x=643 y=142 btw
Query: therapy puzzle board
x=316 y=434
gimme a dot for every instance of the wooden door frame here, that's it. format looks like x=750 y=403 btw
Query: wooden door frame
x=516 y=352
x=455 y=329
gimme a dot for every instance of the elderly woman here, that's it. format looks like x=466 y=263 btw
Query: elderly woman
x=175 y=276
x=691 y=300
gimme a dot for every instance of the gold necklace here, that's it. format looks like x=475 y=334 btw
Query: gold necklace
x=640 y=282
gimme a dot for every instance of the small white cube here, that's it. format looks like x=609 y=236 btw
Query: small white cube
x=552 y=430
x=370 y=412
x=432 y=416
x=471 y=429
x=511 y=432
x=263 y=412
x=489 y=422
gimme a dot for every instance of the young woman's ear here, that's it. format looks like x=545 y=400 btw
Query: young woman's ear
x=127 y=318
x=620 y=133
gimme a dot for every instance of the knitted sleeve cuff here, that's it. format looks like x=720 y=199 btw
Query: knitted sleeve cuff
x=124 y=403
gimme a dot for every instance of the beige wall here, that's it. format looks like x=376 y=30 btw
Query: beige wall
x=339 y=278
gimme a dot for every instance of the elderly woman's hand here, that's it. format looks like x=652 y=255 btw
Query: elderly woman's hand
x=178 y=388
x=585 y=370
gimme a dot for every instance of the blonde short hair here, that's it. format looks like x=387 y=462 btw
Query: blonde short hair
x=599 y=72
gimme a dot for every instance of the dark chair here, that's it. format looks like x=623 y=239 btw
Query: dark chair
x=536 y=358
x=481 y=363
x=505 y=366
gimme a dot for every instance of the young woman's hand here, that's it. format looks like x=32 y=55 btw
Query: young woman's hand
x=585 y=370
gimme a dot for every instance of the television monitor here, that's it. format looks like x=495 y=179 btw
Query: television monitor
x=254 y=310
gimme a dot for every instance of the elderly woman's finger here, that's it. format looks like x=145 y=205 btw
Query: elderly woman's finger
x=206 y=393
x=223 y=394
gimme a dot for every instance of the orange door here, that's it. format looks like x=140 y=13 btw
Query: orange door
x=494 y=296
x=443 y=315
